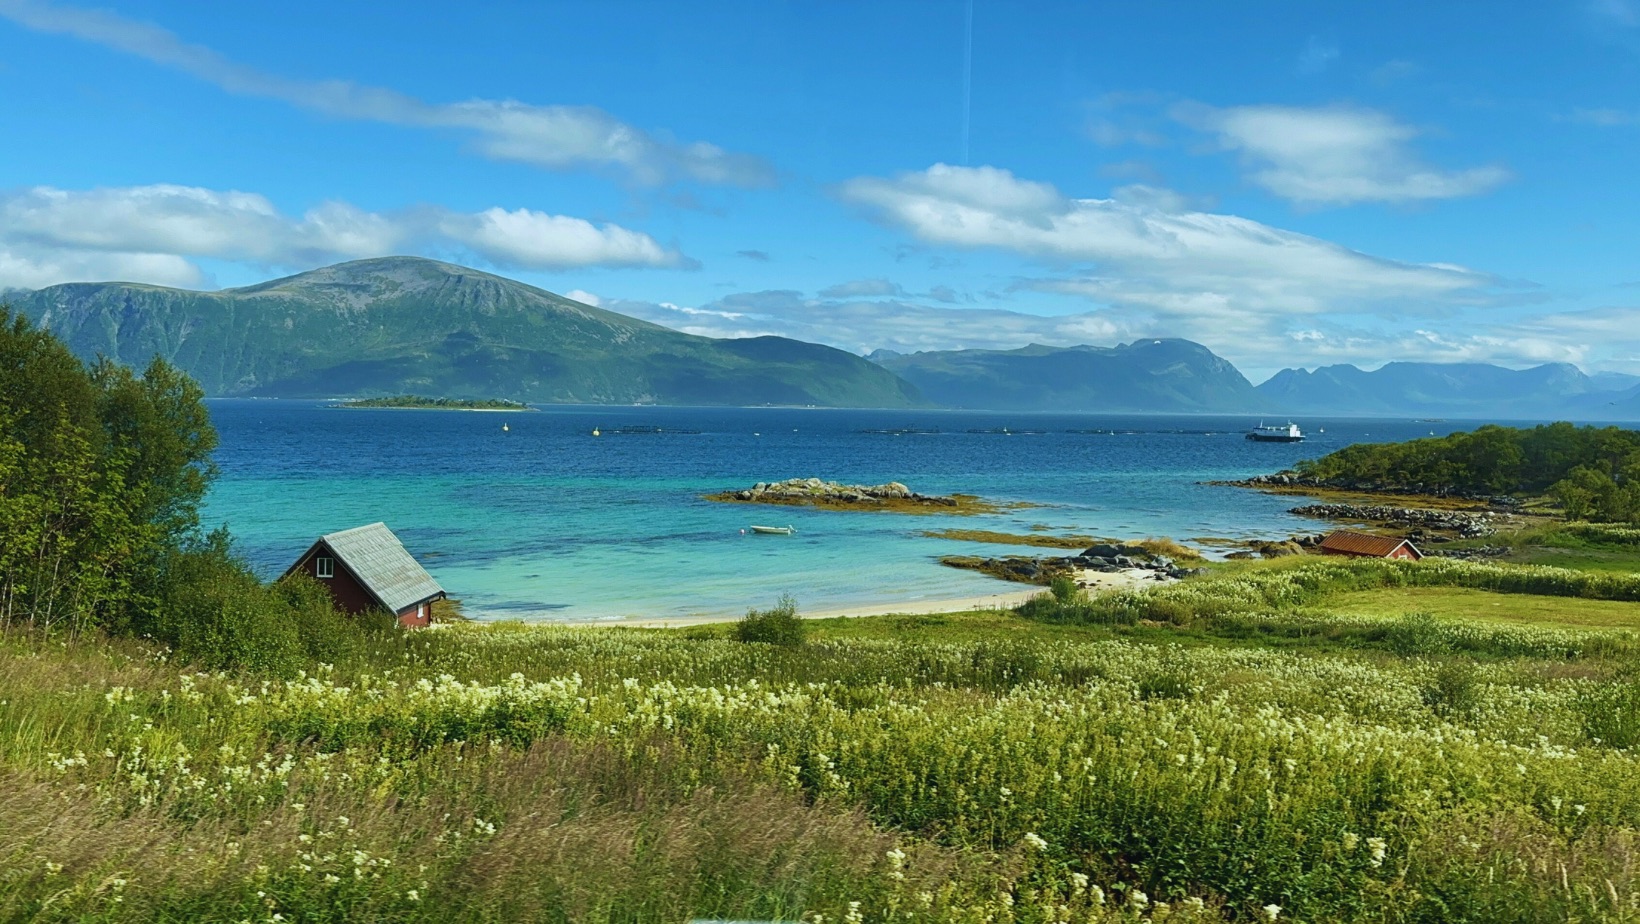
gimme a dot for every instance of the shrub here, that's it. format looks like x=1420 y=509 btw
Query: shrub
x=1005 y=663
x=1611 y=713
x=325 y=633
x=1453 y=692
x=1416 y=634
x=1065 y=591
x=213 y=611
x=777 y=626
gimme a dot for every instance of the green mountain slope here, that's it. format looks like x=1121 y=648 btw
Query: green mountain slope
x=399 y=325
x=1148 y=375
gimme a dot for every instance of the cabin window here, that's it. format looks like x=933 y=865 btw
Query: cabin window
x=324 y=566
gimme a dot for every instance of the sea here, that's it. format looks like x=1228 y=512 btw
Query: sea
x=531 y=516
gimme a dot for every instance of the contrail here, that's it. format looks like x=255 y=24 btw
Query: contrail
x=967 y=81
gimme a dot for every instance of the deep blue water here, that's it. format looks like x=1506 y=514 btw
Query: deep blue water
x=546 y=521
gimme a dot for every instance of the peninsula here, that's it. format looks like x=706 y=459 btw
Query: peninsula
x=420 y=403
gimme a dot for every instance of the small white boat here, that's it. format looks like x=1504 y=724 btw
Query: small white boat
x=774 y=530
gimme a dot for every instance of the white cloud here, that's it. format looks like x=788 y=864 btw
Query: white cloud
x=1334 y=155
x=554 y=137
x=862 y=288
x=584 y=297
x=537 y=240
x=1151 y=264
x=151 y=234
x=27 y=267
x=1176 y=262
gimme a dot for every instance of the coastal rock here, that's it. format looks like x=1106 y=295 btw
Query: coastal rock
x=1114 y=550
x=1479 y=553
x=813 y=491
x=1278 y=549
x=1466 y=525
x=1046 y=570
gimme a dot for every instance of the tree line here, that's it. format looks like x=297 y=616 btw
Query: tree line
x=102 y=474
x=1593 y=472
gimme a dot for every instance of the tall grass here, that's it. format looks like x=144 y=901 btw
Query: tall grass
x=511 y=772
x=1311 y=582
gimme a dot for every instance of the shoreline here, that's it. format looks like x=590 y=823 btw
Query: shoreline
x=1094 y=582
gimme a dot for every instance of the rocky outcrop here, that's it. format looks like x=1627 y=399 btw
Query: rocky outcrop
x=817 y=493
x=1105 y=557
x=1019 y=568
x=1464 y=525
x=1478 y=553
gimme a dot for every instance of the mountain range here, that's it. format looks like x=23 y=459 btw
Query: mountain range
x=408 y=325
x=1146 y=375
x=1455 y=390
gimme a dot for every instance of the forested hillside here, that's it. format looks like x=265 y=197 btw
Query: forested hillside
x=1593 y=471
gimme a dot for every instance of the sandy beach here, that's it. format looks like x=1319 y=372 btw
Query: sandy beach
x=1094 y=581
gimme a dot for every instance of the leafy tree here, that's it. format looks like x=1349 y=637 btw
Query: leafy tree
x=1594 y=471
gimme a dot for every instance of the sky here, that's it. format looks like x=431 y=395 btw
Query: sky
x=1290 y=184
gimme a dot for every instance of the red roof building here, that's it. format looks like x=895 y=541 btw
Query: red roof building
x=367 y=567
x=1366 y=545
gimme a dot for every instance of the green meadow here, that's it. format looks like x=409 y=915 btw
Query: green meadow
x=1304 y=740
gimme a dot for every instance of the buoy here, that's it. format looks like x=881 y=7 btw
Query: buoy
x=503 y=428
x=595 y=431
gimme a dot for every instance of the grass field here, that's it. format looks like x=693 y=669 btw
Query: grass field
x=1461 y=603
x=1300 y=740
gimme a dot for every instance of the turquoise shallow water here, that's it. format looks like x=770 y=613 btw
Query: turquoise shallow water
x=545 y=521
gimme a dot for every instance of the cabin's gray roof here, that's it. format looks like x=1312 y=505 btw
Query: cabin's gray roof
x=379 y=561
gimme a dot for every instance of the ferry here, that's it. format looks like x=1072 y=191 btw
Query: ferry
x=1287 y=434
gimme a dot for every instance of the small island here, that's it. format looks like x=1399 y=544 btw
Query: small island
x=894 y=497
x=419 y=403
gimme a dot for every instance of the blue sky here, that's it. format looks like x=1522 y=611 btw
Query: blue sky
x=1290 y=184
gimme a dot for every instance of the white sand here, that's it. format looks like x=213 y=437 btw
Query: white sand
x=1094 y=581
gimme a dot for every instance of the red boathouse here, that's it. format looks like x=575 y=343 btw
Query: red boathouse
x=367 y=567
x=1366 y=545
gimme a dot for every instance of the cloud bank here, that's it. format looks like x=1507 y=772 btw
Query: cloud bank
x=552 y=137
x=906 y=326
x=1139 y=251
x=153 y=234
x=1333 y=155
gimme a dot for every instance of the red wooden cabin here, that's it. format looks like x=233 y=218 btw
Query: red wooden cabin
x=367 y=567
x=1366 y=545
